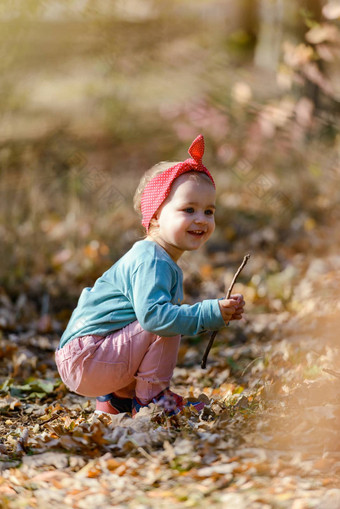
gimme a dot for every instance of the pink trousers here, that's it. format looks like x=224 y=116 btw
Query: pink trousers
x=128 y=362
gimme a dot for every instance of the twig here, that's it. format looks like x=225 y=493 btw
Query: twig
x=22 y=442
x=331 y=372
x=250 y=363
x=144 y=453
x=214 y=333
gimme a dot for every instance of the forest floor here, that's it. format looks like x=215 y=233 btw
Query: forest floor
x=269 y=435
x=267 y=438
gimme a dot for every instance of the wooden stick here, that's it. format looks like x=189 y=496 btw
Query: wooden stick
x=331 y=372
x=214 y=333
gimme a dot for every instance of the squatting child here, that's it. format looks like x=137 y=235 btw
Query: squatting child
x=122 y=340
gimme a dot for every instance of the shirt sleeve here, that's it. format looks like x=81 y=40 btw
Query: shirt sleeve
x=151 y=297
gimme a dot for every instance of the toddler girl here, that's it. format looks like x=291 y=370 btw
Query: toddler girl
x=122 y=340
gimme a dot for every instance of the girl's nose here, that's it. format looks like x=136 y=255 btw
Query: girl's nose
x=201 y=219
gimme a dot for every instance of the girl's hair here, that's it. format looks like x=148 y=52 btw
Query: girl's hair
x=150 y=174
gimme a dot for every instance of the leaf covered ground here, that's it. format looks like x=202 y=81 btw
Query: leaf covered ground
x=268 y=436
x=92 y=96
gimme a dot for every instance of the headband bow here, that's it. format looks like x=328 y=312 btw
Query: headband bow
x=158 y=188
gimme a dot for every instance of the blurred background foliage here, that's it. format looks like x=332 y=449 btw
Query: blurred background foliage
x=93 y=93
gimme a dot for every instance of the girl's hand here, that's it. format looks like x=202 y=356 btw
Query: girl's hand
x=232 y=309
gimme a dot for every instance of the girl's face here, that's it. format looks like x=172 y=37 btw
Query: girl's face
x=185 y=221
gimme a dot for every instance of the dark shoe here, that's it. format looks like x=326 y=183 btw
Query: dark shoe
x=112 y=404
x=170 y=402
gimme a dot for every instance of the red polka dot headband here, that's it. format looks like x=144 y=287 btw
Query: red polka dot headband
x=158 y=188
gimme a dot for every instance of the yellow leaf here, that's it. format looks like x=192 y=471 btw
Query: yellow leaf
x=206 y=271
x=309 y=224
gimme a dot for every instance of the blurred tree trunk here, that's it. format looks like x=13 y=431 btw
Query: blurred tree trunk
x=279 y=20
x=250 y=17
x=269 y=39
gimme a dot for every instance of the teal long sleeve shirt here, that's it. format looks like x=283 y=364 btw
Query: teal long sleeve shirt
x=144 y=285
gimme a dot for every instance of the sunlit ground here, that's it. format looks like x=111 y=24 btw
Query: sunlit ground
x=91 y=97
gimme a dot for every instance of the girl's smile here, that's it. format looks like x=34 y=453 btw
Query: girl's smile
x=197 y=232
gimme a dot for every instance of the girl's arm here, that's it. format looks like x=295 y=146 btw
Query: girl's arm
x=151 y=297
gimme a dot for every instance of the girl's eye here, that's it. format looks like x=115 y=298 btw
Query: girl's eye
x=209 y=212
x=189 y=210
